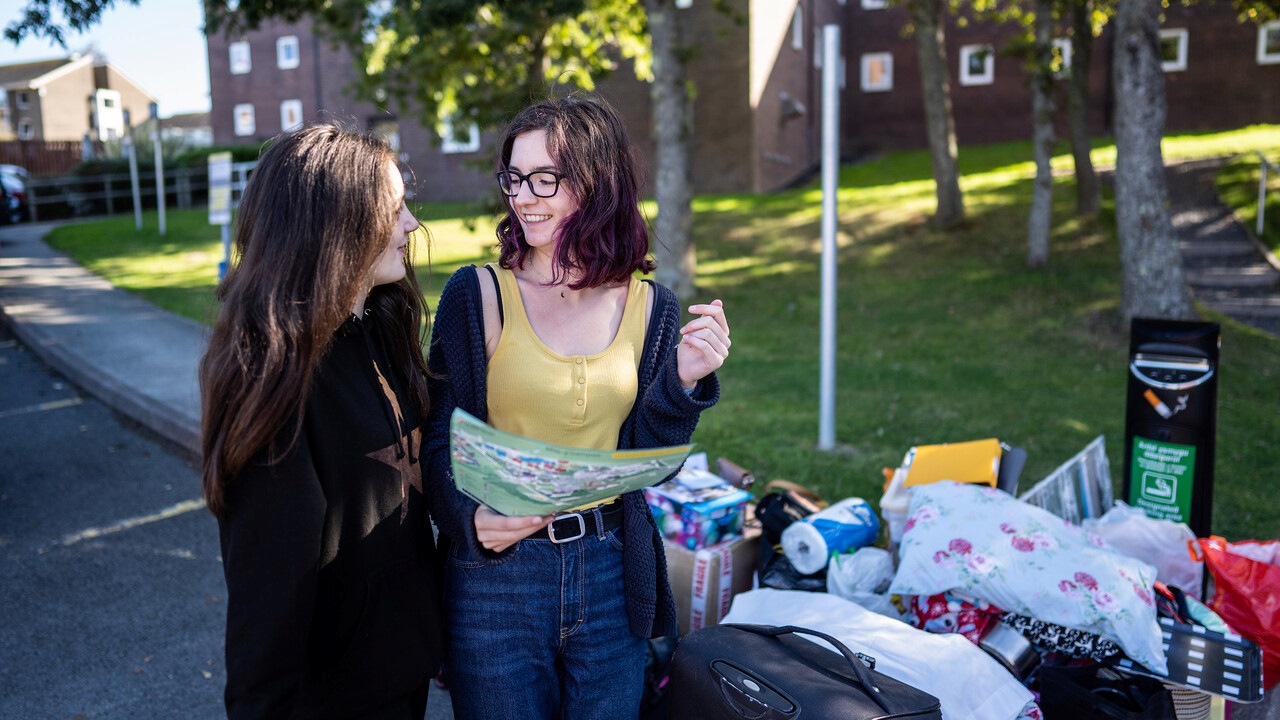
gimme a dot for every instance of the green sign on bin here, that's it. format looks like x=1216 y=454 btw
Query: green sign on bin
x=1162 y=475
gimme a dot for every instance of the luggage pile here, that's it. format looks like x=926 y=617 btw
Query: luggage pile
x=958 y=599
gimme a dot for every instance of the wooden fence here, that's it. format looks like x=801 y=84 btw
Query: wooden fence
x=44 y=158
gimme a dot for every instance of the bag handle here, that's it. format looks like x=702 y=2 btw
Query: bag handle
x=860 y=671
x=805 y=493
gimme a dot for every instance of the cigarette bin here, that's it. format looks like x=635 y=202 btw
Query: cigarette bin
x=1171 y=420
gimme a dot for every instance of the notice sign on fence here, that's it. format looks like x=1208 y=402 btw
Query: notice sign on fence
x=220 y=188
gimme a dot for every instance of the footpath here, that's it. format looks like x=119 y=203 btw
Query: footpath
x=136 y=358
x=1228 y=270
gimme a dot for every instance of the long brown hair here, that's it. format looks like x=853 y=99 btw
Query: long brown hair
x=316 y=213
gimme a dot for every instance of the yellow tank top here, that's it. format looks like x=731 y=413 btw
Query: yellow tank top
x=576 y=401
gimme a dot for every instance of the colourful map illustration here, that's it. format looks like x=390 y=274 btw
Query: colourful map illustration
x=517 y=475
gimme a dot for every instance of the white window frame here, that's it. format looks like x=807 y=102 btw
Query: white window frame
x=797 y=29
x=1265 y=29
x=875 y=4
x=886 y=82
x=26 y=131
x=290 y=115
x=284 y=59
x=240 y=57
x=1179 y=63
x=451 y=142
x=988 y=74
x=240 y=113
x=1063 y=46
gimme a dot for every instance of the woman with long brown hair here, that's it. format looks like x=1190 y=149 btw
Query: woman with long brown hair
x=314 y=394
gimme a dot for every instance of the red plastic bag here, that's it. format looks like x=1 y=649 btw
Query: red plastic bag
x=1246 y=593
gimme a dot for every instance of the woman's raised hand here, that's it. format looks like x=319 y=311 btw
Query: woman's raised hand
x=704 y=345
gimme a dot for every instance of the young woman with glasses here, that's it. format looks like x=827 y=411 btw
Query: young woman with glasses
x=314 y=395
x=548 y=617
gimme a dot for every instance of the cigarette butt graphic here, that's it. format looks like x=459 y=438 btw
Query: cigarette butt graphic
x=1160 y=408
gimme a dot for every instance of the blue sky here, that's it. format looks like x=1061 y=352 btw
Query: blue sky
x=159 y=44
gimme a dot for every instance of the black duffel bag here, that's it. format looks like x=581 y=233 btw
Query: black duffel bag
x=726 y=672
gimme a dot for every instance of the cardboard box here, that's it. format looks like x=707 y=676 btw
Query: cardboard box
x=705 y=580
x=698 y=509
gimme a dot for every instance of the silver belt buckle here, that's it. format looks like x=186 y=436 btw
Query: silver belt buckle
x=582 y=528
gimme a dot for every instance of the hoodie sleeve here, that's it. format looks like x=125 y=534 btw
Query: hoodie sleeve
x=270 y=538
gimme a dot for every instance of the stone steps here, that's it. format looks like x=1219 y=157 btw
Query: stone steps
x=1256 y=275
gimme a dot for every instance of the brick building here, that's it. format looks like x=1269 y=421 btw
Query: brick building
x=67 y=98
x=758 y=103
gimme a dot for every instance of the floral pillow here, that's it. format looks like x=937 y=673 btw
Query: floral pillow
x=986 y=543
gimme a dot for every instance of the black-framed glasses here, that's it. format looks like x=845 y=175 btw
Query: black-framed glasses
x=542 y=183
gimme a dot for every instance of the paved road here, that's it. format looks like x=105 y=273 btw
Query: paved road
x=110 y=576
x=109 y=572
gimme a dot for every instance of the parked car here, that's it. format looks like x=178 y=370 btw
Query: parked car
x=13 y=194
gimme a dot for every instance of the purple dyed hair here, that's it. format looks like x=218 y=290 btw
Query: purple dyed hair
x=606 y=239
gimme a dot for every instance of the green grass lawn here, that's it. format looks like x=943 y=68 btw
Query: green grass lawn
x=943 y=337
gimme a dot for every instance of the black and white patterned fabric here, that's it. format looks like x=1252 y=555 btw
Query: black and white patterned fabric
x=1049 y=636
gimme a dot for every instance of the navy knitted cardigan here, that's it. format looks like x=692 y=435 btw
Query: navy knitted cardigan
x=663 y=415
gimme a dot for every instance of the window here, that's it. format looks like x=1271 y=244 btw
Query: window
x=240 y=60
x=456 y=142
x=287 y=57
x=108 y=102
x=797 y=29
x=977 y=65
x=290 y=114
x=244 y=120
x=26 y=130
x=874 y=4
x=877 y=72
x=1061 y=57
x=1269 y=43
x=1173 y=50
x=24 y=98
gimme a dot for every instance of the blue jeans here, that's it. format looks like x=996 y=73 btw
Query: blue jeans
x=542 y=633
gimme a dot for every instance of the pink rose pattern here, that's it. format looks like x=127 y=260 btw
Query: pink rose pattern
x=1097 y=603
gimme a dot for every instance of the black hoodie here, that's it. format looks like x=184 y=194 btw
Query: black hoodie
x=332 y=600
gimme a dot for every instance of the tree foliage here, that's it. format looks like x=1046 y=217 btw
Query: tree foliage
x=40 y=18
x=435 y=59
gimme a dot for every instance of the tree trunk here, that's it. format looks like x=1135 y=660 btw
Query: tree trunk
x=1042 y=137
x=672 y=125
x=1088 y=192
x=941 y=128
x=1154 y=284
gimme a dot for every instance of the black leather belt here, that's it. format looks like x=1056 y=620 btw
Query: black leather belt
x=574 y=525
